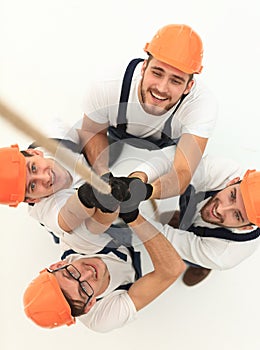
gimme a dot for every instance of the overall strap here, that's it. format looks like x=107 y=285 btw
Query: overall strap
x=167 y=129
x=125 y=90
x=121 y=236
x=112 y=247
x=188 y=202
x=119 y=132
x=223 y=233
x=73 y=146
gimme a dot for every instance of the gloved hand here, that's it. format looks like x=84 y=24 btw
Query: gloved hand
x=119 y=189
x=139 y=191
x=108 y=203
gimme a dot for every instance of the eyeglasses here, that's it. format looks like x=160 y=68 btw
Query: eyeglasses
x=75 y=274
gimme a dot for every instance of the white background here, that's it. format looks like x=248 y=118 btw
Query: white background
x=50 y=51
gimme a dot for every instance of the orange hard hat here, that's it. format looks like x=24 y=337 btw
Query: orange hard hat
x=179 y=46
x=12 y=176
x=45 y=304
x=250 y=190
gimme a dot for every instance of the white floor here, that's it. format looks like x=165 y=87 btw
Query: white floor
x=49 y=51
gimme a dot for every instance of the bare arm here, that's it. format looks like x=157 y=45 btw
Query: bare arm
x=100 y=221
x=167 y=264
x=187 y=157
x=73 y=213
x=94 y=143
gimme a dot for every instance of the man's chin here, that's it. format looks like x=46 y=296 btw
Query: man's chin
x=154 y=110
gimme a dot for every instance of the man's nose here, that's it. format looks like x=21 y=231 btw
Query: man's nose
x=42 y=177
x=222 y=209
x=162 y=85
x=89 y=273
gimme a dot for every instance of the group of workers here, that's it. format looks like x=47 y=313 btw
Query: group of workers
x=165 y=116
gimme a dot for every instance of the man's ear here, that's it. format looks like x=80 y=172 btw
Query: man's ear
x=233 y=181
x=247 y=227
x=32 y=200
x=188 y=87
x=90 y=304
x=144 y=66
x=34 y=152
x=57 y=265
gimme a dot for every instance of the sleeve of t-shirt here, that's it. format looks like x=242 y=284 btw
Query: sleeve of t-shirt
x=111 y=312
x=214 y=173
x=209 y=252
x=47 y=210
x=156 y=163
x=198 y=113
x=57 y=128
x=96 y=103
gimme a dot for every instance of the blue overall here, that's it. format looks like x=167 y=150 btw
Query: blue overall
x=121 y=235
x=119 y=133
x=187 y=204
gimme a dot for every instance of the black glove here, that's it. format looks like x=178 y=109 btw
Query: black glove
x=129 y=217
x=91 y=198
x=139 y=191
x=119 y=189
x=107 y=203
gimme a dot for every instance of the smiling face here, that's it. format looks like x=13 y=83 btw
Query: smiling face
x=44 y=176
x=162 y=86
x=227 y=208
x=92 y=270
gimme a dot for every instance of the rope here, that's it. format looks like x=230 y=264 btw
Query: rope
x=61 y=153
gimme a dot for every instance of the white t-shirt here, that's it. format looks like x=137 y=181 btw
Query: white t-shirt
x=116 y=308
x=47 y=210
x=196 y=115
x=213 y=173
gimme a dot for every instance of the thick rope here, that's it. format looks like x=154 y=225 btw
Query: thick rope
x=61 y=153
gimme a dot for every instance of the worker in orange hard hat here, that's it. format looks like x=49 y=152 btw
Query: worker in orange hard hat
x=159 y=104
x=58 y=197
x=218 y=229
x=103 y=283
x=34 y=176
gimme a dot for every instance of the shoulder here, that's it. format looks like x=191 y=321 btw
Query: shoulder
x=111 y=312
x=216 y=172
x=201 y=96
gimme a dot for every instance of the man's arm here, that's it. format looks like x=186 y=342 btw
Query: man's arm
x=212 y=253
x=94 y=141
x=167 y=264
x=187 y=157
x=73 y=213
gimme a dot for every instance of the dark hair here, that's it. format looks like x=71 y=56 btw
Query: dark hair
x=77 y=307
x=26 y=154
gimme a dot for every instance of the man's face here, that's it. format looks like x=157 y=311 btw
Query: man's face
x=44 y=176
x=226 y=208
x=92 y=270
x=161 y=86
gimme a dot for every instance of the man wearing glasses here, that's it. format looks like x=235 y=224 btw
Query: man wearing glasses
x=103 y=289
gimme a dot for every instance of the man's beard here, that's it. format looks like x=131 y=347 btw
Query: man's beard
x=150 y=108
x=206 y=212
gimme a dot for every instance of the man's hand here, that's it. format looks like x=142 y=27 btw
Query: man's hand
x=119 y=189
x=107 y=203
x=138 y=192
